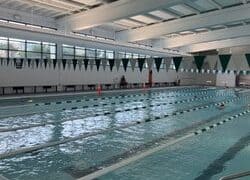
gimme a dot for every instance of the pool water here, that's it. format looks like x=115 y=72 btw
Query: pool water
x=71 y=137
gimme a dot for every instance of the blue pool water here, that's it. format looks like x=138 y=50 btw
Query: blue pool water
x=74 y=136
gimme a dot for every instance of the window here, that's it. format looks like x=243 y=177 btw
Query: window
x=142 y=56
x=121 y=55
x=100 y=53
x=3 y=47
x=68 y=52
x=34 y=49
x=48 y=50
x=110 y=54
x=135 y=56
x=128 y=55
x=90 y=53
x=16 y=48
x=19 y=48
x=79 y=52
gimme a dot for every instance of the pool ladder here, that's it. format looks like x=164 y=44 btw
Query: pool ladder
x=236 y=176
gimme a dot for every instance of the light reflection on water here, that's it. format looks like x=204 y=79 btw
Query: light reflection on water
x=90 y=151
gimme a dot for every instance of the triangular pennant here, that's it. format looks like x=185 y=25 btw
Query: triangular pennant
x=117 y=64
x=177 y=62
x=168 y=62
x=8 y=61
x=22 y=63
x=97 y=63
x=141 y=62
x=150 y=63
x=74 y=61
x=14 y=61
x=111 y=64
x=45 y=63
x=125 y=64
x=86 y=62
x=224 y=60
x=37 y=62
x=133 y=62
x=158 y=62
x=54 y=63
x=104 y=64
x=248 y=59
x=64 y=63
x=199 y=60
x=80 y=64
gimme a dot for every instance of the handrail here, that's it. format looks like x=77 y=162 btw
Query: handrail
x=235 y=176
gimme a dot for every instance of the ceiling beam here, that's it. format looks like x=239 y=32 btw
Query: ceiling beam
x=205 y=20
x=27 y=17
x=215 y=4
x=221 y=34
x=61 y=38
x=113 y=11
x=228 y=43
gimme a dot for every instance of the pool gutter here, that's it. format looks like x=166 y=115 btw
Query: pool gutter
x=134 y=158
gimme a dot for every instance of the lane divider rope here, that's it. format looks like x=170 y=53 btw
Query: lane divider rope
x=85 y=135
x=101 y=114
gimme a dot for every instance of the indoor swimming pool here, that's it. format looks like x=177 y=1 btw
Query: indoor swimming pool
x=166 y=133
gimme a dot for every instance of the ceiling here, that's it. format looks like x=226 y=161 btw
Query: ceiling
x=184 y=25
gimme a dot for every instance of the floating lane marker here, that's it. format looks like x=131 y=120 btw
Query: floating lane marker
x=134 y=158
x=221 y=122
x=84 y=135
x=80 y=107
x=127 y=96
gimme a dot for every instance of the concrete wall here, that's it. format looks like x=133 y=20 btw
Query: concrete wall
x=228 y=80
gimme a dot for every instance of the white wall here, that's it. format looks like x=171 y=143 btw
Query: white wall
x=32 y=76
x=228 y=80
x=28 y=76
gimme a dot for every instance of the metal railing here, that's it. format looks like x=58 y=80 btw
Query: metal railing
x=235 y=176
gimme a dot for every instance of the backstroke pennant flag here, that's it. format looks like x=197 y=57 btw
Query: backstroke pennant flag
x=177 y=62
x=64 y=63
x=111 y=64
x=141 y=62
x=224 y=60
x=158 y=62
x=86 y=62
x=125 y=64
x=74 y=61
x=97 y=63
x=248 y=59
x=199 y=61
